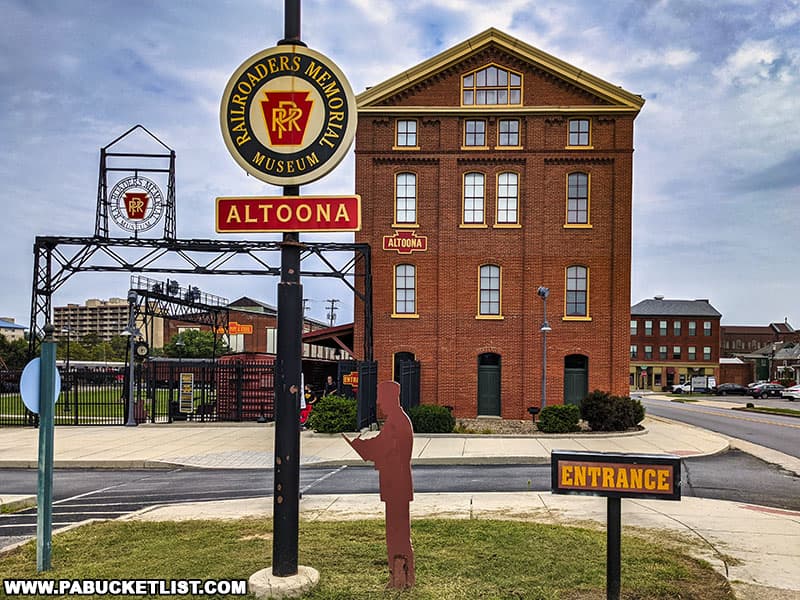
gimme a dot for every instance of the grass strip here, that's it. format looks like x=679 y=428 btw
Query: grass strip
x=455 y=559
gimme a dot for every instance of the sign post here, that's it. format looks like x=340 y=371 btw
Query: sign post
x=615 y=476
x=288 y=116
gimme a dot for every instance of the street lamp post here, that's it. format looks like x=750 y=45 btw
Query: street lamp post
x=132 y=332
x=543 y=293
x=67 y=377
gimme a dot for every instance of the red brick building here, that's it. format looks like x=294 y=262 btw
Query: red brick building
x=487 y=171
x=673 y=341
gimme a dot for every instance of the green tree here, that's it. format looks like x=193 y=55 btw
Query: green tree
x=196 y=344
x=14 y=353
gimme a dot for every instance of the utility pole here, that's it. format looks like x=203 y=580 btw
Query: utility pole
x=305 y=305
x=332 y=308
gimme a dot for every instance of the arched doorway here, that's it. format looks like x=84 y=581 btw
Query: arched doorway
x=576 y=378
x=489 y=384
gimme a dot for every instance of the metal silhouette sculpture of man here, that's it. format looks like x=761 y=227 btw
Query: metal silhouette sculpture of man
x=390 y=450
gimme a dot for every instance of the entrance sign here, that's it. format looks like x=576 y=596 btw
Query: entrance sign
x=288 y=115
x=186 y=400
x=136 y=203
x=288 y=213
x=616 y=475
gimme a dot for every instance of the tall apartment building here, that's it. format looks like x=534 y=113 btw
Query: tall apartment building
x=486 y=172
x=104 y=318
x=672 y=341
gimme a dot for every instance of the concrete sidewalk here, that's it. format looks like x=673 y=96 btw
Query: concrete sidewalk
x=758 y=547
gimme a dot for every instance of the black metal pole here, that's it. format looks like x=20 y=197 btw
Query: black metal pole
x=613 y=548
x=286 y=493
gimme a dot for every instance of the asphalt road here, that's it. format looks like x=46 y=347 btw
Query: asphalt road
x=778 y=432
x=84 y=494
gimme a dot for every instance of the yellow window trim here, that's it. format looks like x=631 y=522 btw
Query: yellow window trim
x=478 y=314
x=508 y=87
x=405 y=315
x=507 y=226
x=578 y=226
x=588 y=296
x=489 y=317
x=498 y=147
x=576 y=318
x=405 y=225
x=473 y=226
x=589 y=146
x=416 y=199
x=468 y=148
x=578 y=147
x=567 y=224
x=401 y=148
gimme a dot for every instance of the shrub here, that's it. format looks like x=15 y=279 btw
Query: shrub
x=604 y=412
x=559 y=418
x=333 y=414
x=431 y=418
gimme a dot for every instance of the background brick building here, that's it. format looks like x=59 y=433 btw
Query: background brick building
x=487 y=171
x=672 y=341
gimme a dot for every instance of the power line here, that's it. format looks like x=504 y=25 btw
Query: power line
x=332 y=308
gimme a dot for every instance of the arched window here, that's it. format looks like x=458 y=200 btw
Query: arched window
x=491 y=85
x=489 y=304
x=507 y=198
x=577 y=300
x=578 y=199
x=474 y=191
x=405 y=290
x=405 y=198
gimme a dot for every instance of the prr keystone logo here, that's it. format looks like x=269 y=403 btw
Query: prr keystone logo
x=288 y=115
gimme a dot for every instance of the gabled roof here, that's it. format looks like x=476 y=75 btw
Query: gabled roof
x=658 y=307
x=620 y=99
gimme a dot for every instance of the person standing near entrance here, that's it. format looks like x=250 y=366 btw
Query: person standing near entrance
x=390 y=450
x=330 y=386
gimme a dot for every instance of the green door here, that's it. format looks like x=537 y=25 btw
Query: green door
x=489 y=385
x=576 y=378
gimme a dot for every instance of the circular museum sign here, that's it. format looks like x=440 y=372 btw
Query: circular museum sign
x=136 y=203
x=288 y=115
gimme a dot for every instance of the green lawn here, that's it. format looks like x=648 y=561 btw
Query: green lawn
x=455 y=559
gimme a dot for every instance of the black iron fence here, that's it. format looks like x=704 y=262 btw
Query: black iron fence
x=164 y=391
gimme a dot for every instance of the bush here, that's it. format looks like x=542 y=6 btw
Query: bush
x=431 y=418
x=559 y=418
x=333 y=414
x=604 y=412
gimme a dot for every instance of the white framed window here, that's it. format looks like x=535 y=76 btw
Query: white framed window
x=507 y=198
x=406 y=135
x=405 y=198
x=474 y=190
x=692 y=353
x=489 y=291
x=634 y=326
x=706 y=352
x=405 y=289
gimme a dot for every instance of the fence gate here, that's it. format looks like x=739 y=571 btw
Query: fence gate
x=409 y=383
x=367 y=393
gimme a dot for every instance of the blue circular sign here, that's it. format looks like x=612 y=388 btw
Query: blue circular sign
x=29 y=385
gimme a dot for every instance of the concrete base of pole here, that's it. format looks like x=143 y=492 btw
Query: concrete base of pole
x=263 y=584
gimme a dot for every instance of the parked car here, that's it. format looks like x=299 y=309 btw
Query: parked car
x=730 y=389
x=685 y=388
x=766 y=390
x=792 y=393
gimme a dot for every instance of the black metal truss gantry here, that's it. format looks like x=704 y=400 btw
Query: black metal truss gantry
x=57 y=259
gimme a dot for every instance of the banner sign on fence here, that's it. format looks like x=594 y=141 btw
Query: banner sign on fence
x=653 y=476
x=187 y=392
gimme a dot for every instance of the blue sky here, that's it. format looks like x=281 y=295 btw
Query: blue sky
x=717 y=146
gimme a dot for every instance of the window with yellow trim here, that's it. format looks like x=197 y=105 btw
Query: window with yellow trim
x=489 y=304
x=405 y=290
x=507 y=198
x=579 y=132
x=577 y=300
x=475 y=133
x=406 y=133
x=405 y=198
x=577 y=199
x=508 y=132
x=474 y=190
x=491 y=86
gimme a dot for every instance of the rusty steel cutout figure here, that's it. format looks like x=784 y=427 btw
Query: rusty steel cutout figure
x=390 y=450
